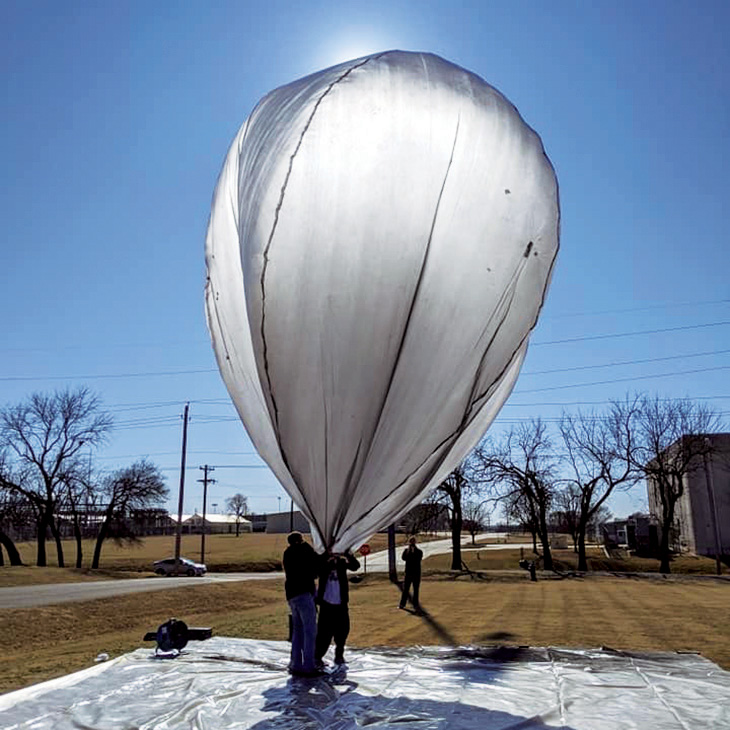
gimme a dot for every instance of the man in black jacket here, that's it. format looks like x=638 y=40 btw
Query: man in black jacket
x=412 y=557
x=333 y=597
x=301 y=564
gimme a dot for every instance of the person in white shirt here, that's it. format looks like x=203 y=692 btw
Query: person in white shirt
x=333 y=597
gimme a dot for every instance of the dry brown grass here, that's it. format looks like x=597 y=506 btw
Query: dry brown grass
x=41 y=643
x=223 y=553
x=566 y=560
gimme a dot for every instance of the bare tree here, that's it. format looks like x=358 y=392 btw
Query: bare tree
x=426 y=517
x=672 y=445
x=137 y=486
x=10 y=506
x=522 y=468
x=475 y=515
x=237 y=505
x=520 y=510
x=600 y=516
x=449 y=494
x=599 y=454
x=43 y=436
x=79 y=495
x=565 y=517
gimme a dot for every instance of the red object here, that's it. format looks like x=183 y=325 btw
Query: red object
x=364 y=549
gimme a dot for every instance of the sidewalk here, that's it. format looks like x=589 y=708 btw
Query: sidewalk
x=378 y=562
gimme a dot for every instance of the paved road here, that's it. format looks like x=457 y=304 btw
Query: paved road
x=44 y=595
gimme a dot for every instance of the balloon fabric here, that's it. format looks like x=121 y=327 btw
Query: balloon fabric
x=381 y=240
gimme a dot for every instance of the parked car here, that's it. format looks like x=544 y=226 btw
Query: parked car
x=187 y=567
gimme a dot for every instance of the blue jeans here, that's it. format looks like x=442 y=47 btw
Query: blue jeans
x=304 y=631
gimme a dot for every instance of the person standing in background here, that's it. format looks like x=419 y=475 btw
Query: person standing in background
x=412 y=556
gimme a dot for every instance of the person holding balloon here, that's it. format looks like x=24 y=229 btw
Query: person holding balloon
x=301 y=564
x=332 y=597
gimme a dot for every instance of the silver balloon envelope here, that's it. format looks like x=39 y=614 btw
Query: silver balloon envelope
x=381 y=239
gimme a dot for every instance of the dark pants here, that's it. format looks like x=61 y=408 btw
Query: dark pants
x=411 y=579
x=333 y=623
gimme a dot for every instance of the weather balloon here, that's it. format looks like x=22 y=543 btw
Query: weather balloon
x=380 y=243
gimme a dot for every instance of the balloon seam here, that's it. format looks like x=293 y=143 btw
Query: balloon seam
x=266 y=263
x=417 y=289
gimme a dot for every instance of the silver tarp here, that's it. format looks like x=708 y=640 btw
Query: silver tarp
x=239 y=683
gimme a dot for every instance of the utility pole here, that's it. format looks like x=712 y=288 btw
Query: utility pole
x=392 y=571
x=712 y=505
x=178 y=534
x=291 y=516
x=206 y=480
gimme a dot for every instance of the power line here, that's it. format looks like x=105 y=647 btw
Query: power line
x=622 y=380
x=630 y=334
x=199 y=371
x=667 y=305
x=601 y=402
x=625 y=362
x=111 y=376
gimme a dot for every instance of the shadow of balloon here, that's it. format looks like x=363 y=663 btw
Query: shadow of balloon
x=325 y=703
x=496 y=636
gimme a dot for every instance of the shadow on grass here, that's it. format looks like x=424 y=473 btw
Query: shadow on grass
x=422 y=613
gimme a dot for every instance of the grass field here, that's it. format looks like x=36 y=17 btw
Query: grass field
x=223 y=553
x=567 y=560
x=682 y=614
x=262 y=552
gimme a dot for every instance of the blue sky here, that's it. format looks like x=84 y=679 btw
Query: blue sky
x=116 y=119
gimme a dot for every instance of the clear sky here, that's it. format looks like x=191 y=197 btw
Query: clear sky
x=116 y=118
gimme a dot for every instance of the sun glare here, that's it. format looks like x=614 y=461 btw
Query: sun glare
x=355 y=44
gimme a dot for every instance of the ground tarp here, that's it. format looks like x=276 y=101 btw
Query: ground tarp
x=240 y=683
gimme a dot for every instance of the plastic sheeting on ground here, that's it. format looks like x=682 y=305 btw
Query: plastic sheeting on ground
x=240 y=683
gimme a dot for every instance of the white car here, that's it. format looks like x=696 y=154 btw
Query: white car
x=187 y=567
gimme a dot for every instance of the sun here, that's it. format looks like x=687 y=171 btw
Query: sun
x=355 y=43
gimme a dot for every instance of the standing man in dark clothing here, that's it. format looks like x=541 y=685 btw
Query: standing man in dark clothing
x=412 y=556
x=300 y=567
x=333 y=597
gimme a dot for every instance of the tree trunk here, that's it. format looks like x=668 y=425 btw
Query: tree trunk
x=99 y=542
x=392 y=570
x=238 y=528
x=582 y=560
x=547 y=556
x=57 y=538
x=12 y=551
x=534 y=540
x=41 y=537
x=456 y=524
x=79 y=549
x=664 y=566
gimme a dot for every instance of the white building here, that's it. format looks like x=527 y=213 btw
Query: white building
x=215 y=524
x=702 y=513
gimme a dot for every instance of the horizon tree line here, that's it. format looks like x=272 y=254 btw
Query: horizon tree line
x=537 y=473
